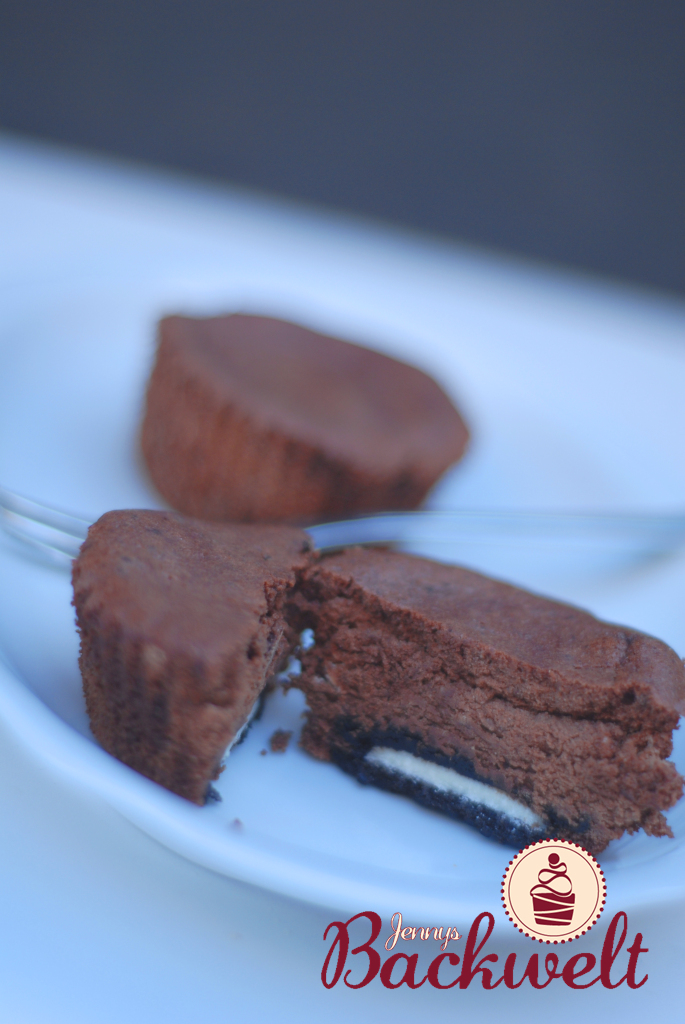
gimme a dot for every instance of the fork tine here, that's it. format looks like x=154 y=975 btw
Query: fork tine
x=26 y=508
x=55 y=534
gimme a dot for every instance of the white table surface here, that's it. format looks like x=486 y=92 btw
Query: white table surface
x=98 y=923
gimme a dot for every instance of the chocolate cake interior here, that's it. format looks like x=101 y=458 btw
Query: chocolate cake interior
x=522 y=716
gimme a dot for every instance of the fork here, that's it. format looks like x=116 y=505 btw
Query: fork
x=56 y=536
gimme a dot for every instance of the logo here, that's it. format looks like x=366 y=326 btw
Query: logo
x=553 y=891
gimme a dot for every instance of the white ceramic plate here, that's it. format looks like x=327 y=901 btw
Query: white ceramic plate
x=577 y=420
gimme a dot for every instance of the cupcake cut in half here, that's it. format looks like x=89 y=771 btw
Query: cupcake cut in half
x=181 y=627
x=522 y=716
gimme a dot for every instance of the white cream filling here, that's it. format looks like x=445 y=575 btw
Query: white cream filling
x=241 y=731
x=293 y=668
x=447 y=780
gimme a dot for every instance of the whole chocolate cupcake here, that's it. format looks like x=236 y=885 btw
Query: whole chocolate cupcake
x=254 y=419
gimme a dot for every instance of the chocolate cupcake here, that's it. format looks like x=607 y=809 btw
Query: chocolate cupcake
x=253 y=419
x=182 y=627
x=524 y=717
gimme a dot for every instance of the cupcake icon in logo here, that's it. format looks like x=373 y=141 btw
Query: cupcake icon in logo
x=553 y=895
x=553 y=891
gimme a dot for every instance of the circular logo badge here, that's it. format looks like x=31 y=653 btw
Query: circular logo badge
x=553 y=891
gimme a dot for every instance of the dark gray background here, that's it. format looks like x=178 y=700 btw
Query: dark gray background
x=552 y=129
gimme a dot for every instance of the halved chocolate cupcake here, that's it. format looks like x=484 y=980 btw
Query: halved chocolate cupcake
x=522 y=716
x=182 y=626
